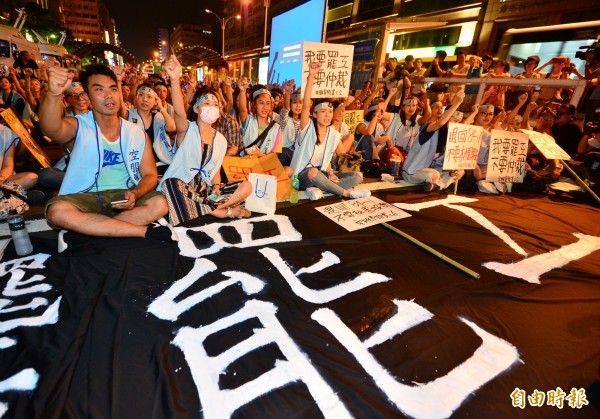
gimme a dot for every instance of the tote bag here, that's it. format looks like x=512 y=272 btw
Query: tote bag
x=263 y=198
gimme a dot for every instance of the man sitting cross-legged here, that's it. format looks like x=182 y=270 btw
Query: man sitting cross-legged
x=111 y=161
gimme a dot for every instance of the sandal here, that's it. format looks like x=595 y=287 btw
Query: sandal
x=246 y=213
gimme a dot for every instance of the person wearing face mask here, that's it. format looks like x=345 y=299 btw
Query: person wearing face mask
x=195 y=170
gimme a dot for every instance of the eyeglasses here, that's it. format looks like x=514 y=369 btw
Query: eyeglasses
x=548 y=119
x=486 y=113
x=77 y=95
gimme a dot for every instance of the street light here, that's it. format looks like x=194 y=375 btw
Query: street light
x=267 y=4
x=223 y=24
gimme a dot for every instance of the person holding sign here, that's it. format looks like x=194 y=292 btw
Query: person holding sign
x=315 y=147
x=484 y=118
x=192 y=183
x=548 y=169
x=430 y=144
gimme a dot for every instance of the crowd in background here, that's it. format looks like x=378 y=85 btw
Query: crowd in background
x=404 y=118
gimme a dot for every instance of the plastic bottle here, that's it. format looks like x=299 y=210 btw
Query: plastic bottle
x=294 y=190
x=18 y=231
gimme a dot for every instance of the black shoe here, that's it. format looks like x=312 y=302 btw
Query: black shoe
x=35 y=195
x=430 y=187
x=156 y=231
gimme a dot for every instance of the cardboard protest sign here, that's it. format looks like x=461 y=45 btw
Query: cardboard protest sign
x=508 y=151
x=353 y=118
x=239 y=168
x=360 y=213
x=546 y=145
x=17 y=126
x=336 y=68
x=462 y=146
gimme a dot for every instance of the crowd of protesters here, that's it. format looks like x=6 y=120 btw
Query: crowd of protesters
x=405 y=118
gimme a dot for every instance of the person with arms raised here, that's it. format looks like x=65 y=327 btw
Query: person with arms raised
x=108 y=189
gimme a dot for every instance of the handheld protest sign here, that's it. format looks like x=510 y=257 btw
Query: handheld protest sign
x=508 y=152
x=333 y=80
x=17 y=126
x=462 y=146
x=353 y=118
x=547 y=145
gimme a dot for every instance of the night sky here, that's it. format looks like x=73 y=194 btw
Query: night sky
x=138 y=21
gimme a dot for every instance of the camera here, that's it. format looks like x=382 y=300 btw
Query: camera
x=568 y=69
x=591 y=53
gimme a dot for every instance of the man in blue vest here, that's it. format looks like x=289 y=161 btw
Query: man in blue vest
x=109 y=187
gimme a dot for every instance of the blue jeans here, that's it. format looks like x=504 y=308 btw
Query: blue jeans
x=321 y=181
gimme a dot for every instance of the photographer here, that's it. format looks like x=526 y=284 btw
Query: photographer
x=591 y=55
x=589 y=152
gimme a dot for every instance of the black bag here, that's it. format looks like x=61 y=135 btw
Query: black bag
x=374 y=168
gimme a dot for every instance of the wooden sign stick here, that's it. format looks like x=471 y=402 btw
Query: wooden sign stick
x=431 y=250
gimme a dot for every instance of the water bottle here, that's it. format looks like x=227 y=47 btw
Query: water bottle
x=294 y=191
x=18 y=231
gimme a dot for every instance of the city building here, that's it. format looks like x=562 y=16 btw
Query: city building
x=88 y=20
x=163 y=43
x=187 y=34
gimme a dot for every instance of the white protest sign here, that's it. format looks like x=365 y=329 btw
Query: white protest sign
x=508 y=151
x=333 y=80
x=546 y=145
x=360 y=213
x=462 y=146
x=353 y=118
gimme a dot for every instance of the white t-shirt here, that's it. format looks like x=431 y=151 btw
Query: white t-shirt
x=317 y=157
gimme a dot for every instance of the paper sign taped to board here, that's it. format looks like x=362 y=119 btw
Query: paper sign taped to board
x=508 y=152
x=353 y=118
x=356 y=214
x=547 y=145
x=333 y=80
x=462 y=146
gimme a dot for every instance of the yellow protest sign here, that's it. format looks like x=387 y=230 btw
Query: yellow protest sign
x=17 y=126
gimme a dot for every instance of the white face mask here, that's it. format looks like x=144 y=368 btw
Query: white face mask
x=209 y=114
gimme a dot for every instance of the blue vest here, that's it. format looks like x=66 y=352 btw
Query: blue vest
x=393 y=126
x=162 y=143
x=305 y=147
x=188 y=158
x=250 y=133
x=422 y=152
x=7 y=138
x=290 y=131
x=87 y=155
